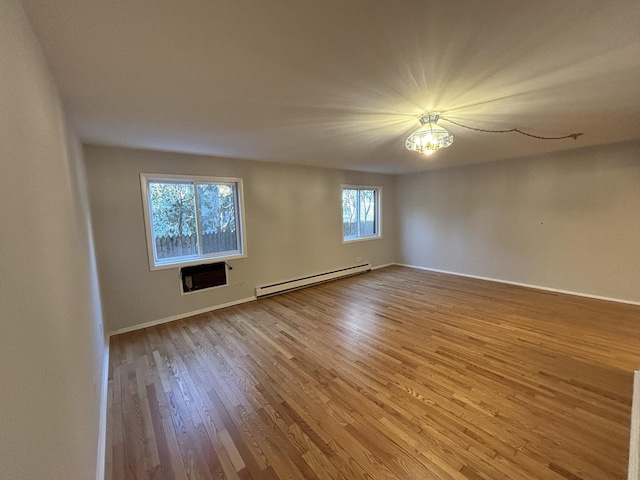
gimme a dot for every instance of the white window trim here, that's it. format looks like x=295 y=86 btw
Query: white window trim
x=378 y=213
x=144 y=179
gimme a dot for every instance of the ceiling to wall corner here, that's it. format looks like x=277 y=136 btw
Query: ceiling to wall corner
x=341 y=83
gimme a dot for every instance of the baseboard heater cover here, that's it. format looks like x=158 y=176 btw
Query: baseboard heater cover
x=297 y=283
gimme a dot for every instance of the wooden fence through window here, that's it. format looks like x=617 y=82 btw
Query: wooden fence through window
x=183 y=245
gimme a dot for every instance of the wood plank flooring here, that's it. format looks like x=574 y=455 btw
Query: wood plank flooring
x=393 y=374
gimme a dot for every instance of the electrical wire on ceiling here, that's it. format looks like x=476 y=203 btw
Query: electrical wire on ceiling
x=510 y=130
x=431 y=137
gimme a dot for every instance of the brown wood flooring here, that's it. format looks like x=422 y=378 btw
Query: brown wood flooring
x=393 y=374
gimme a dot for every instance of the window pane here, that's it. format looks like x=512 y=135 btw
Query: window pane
x=173 y=219
x=360 y=212
x=367 y=213
x=217 y=203
x=350 y=212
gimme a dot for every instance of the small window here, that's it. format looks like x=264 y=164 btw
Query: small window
x=360 y=212
x=191 y=219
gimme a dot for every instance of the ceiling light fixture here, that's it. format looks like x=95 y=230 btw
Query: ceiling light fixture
x=430 y=137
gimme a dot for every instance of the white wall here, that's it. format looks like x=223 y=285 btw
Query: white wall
x=52 y=347
x=569 y=220
x=293 y=221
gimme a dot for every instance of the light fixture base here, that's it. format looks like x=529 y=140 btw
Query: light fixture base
x=429 y=117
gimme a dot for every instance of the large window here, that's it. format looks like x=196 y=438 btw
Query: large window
x=360 y=212
x=192 y=219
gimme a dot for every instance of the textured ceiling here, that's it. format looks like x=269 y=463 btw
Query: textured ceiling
x=341 y=83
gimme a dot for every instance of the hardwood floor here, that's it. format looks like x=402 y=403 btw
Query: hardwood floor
x=394 y=374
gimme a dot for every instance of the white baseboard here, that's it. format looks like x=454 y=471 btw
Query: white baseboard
x=102 y=429
x=180 y=315
x=252 y=298
x=634 y=440
x=528 y=285
x=382 y=266
x=197 y=312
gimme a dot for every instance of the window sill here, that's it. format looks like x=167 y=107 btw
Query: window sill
x=196 y=261
x=361 y=239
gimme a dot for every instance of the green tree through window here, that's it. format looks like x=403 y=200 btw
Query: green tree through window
x=192 y=218
x=360 y=212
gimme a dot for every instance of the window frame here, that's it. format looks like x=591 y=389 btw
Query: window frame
x=378 y=212
x=145 y=178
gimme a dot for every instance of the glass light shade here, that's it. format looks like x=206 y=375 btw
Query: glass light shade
x=429 y=137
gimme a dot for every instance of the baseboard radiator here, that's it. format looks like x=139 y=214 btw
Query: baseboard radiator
x=281 y=287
